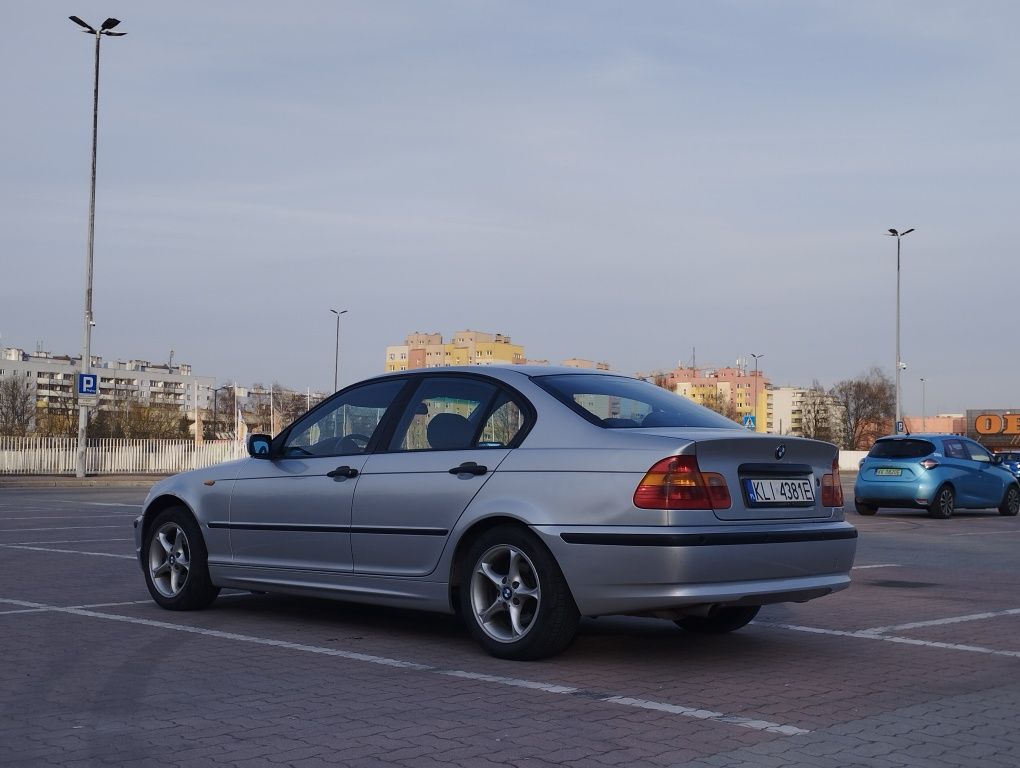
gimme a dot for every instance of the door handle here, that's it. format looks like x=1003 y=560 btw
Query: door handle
x=343 y=471
x=469 y=468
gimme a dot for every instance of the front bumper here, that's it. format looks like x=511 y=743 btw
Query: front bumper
x=617 y=570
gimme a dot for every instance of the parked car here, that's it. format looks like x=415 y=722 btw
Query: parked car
x=1011 y=461
x=521 y=497
x=939 y=473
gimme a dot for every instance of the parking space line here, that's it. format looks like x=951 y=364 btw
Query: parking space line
x=692 y=712
x=878 y=565
x=984 y=533
x=67 y=517
x=867 y=634
x=97 y=503
x=62 y=528
x=705 y=714
x=65 y=551
x=60 y=541
x=940 y=622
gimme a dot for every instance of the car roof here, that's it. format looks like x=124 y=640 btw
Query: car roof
x=503 y=371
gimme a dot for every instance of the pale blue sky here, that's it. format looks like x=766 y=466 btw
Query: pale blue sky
x=612 y=180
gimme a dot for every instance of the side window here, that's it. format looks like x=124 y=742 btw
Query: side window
x=445 y=413
x=955 y=450
x=344 y=426
x=978 y=453
x=506 y=419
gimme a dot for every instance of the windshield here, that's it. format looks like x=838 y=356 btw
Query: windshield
x=618 y=402
x=900 y=449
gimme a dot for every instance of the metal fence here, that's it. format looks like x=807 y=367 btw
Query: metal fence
x=58 y=455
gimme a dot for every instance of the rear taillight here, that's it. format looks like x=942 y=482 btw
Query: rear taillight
x=677 y=483
x=929 y=463
x=832 y=488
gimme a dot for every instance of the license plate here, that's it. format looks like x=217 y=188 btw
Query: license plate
x=779 y=491
x=888 y=472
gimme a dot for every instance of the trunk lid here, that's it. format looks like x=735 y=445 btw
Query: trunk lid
x=769 y=476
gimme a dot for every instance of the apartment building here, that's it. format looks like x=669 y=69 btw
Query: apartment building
x=746 y=391
x=51 y=378
x=428 y=350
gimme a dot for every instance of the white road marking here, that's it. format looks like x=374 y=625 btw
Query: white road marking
x=62 y=528
x=701 y=714
x=879 y=565
x=983 y=533
x=65 y=517
x=60 y=541
x=872 y=635
x=547 y=687
x=705 y=714
x=96 y=503
x=940 y=622
x=66 y=551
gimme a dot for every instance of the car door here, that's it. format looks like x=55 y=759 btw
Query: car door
x=989 y=478
x=454 y=431
x=962 y=471
x=293 y=510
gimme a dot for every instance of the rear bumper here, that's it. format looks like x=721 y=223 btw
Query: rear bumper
x=614 y=570
x=915 y=494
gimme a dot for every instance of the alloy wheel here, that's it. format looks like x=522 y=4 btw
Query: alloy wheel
x=505 y=593
x=169 y=559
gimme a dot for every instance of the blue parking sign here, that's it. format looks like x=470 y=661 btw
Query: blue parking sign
x=88 y=384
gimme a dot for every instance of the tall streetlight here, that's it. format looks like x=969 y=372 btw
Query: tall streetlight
x=86 y=355
x=336 y=358
x=924 y=406
x=899 y=363
x=756 y=388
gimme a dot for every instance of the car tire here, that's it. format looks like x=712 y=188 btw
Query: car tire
x=727 y=618
x=514 y=598
x=176 y=563
x=1010 y=501
x=942 y=503
x=864 y=509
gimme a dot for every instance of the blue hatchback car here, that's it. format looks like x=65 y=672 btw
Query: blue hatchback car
x=939 y=473
x=1011 y=461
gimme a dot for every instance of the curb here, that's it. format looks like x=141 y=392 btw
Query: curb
x=61 y=481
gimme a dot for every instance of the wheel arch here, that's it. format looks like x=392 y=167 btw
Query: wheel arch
x=467 y=537
x=161 y=504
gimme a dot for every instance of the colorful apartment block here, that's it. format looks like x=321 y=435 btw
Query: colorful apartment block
x=428 y=350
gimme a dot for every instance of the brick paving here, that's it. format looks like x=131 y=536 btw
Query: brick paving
x=277 y=681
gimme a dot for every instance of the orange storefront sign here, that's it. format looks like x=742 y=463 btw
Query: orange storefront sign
x=997 y=424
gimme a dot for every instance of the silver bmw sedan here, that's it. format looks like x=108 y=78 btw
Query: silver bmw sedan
x=521 y=497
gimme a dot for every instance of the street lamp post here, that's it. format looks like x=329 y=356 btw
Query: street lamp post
x=899 y=363
x=86 y=356
x=336 y=358
x=924 y=406
x=756 y=388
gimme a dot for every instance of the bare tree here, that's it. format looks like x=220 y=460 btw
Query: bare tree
x=17 y=407
x=817 y=413
x=865 y=408
x=721 y=405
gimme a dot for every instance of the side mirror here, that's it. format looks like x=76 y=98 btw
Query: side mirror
x=996 y=458
x=259 y=445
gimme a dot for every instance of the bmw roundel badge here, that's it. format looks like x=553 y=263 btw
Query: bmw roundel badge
x=780 y=451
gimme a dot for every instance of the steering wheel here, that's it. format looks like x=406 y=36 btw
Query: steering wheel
x=352 y=443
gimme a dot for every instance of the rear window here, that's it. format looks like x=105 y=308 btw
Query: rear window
x=617 y=402
x=900 y=449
